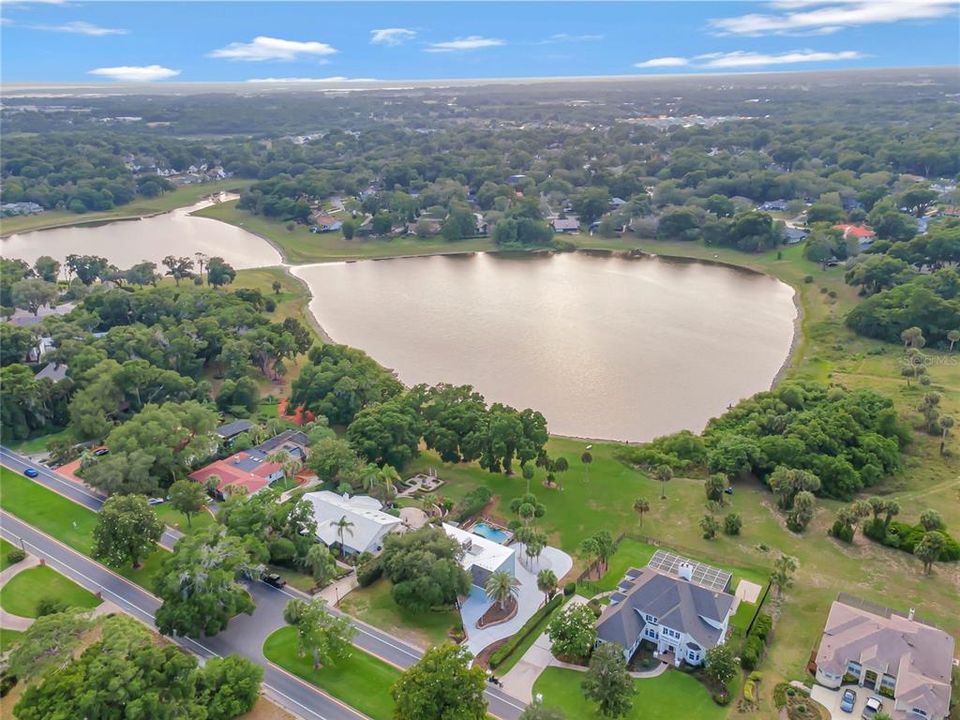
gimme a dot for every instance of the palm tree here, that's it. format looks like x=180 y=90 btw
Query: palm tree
x=641 y=506
x=547 y=583
x=535 y=543
x=586 y=459
x=343 y=526
x=501 y=586
x=663 y=473
x=782 y=576
x=385 y=488
x=946 y=422
x=953 y=336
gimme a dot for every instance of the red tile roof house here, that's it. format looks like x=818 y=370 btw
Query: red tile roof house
x=248 y=469
x=864 y=235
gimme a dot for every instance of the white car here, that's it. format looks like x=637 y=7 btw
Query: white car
x=873 y=706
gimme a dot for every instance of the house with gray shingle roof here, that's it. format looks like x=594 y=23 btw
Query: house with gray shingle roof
x=681 y=618
x=896 y=656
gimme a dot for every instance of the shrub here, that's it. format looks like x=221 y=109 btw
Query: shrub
x=472 y=503
x=842 y=531
x=752 y=652
x=721 y=698
x=7 y=681
x=569 y=589
x=50 y=606
x=282 y=551
x=16 y=555
x=369 y=572
x=762 y=626
x=732 y=524
x=780 y=695
x=808 y=279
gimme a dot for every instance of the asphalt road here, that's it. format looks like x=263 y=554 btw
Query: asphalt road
x=244 y=635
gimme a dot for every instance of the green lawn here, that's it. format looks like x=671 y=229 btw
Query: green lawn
x=5 y=549
x=361 y=681
x=181 y=197
x=176 y=519
x=670 y=696
x=39 y=443
x=300 y=580
x=21 y=593
x=375 y=605
x=300 y=246
x=8 y=638
x=630 y=553
x=65 y=520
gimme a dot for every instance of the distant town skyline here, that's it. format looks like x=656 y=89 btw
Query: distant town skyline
x=137 y=42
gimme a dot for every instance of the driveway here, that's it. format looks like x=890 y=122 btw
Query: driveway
x=530 y=599
x=830 y=699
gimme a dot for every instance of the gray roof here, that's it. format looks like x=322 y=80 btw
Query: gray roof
x=676 y=603
x=52 y=372
x=293 y=441
x=230 y=430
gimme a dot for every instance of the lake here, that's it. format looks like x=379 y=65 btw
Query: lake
x=605 y=347
x=130 y=242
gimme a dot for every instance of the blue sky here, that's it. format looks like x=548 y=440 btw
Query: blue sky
x=66 y=41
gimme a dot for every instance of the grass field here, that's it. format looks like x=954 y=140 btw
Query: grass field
x=375 y=605
x=300 y=246
x=667 y=697
x=64 y=520
x=39 y=443
x=361 y=681
x=24 y=590
x=177 y=520
x=181 y=197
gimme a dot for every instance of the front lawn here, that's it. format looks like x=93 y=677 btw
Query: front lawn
x=177 y=520
x=669 y=696
x=374 y=605
x=39 y=443
x=5 y=549
x=66 y=521
x=361 y=681
x=24 y=590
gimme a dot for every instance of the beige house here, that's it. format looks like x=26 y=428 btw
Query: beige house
x=897 y=657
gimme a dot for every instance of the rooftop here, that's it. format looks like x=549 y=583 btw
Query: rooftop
x=369 y=521
x=248 y=469
x=478 y=552
x=703 y=575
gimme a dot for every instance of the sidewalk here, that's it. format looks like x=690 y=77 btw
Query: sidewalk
x=7 y=620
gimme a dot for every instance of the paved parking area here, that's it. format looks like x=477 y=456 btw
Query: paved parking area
x=830 y=699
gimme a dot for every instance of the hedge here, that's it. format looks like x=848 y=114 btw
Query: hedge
x=369 y=572
x=505 y=650
x=472 y=503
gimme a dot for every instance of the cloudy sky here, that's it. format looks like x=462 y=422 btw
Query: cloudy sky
x=64 y=40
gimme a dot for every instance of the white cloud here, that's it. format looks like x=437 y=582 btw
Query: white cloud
x=471 y=42
x=79 y=27
x=802 y=17
x=332 y=78
x=268 y=48
x=135 y=73
x=663 y=62
x=570 y=38
x=746 y=59
x=391 y=36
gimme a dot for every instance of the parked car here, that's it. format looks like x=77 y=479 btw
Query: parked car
x=155 y=501
x=273 y=579
x=873 y=706
x=728 y=490
x=848 y=700
x=101 y=452
x=30 y=472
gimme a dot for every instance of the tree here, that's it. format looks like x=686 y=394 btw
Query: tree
x=180 y=267
x=46 y=268
x=527 y=507
x=87 y=268
x=720 y=665
x=607 y=681
x=441 y=685
x=586 y=458
x=188 y=497
x=732 y=524
x=320 y=563
x=276 y=286
x=534 y=544
x=932 y=520
x=198 y=584
x=804 y=507
x=49 y=642
x=501 y=586
x=573 y=632
x=782 y=576
x=127 y=529
x=220 y=273
x=929 y=548
x=32 y=294
x=946 y=422
x=663 y=474
x=786 y=482
x=709 y=526
x=325 y=637
x=953 y=336
x=144 y=273
x=229 y=687
x=537 y=711
x=641 y=506
x=343 y=527
x=600 y=546
x=424 y=567
x=714 y=487
x=912 y=337
x=547 y=584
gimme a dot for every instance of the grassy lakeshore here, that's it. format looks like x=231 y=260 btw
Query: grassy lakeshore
x=141 y=207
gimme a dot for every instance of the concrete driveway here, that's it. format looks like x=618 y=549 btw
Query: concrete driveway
x=830 y=699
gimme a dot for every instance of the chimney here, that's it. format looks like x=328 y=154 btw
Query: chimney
x=685 y=571
x=911 y=614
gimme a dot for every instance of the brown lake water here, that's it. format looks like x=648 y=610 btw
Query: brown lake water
x=605 y=347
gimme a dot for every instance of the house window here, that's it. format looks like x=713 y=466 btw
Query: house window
x=853 y=668
x=651 y=618
x=888 y=682
x=918 y=711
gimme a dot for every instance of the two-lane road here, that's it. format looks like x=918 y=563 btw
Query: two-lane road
x=244 y=635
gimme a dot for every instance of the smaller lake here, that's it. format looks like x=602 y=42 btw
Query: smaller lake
x=129 y=242
x=605 y=347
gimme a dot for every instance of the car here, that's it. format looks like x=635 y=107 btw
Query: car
x=30 y=472
x=155 y=501
x=728 y=490
x=273 y=579
x=873 y=706
x=101 y=452
x=848 y=700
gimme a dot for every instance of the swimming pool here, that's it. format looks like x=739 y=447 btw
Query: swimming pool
x=492 y=533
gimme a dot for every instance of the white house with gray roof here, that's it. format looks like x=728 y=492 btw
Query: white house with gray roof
x=681 y=618
x=368 y=524
x=896 y=656
x=482 y=557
